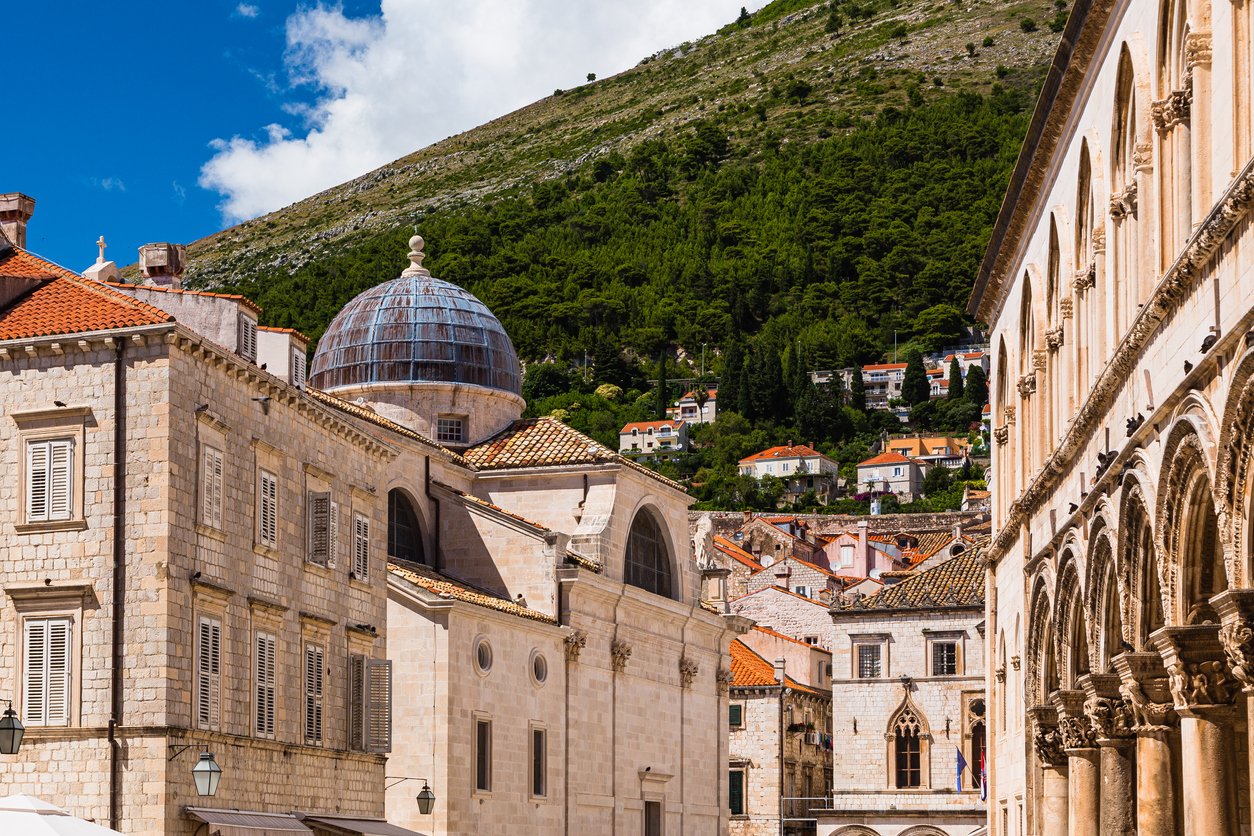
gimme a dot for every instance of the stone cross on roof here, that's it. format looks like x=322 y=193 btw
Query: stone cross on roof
x=100 y=242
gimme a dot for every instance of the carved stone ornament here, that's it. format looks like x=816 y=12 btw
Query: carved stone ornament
x=575 y=643
x=1123 y=203
x=1001 y=434
x=1039 y=360
x=1099 y=243
x=688 y=670
x=1200 y=684
x=1143 y=157
x=1147 y=715
x=724 y=679
x=1111 y=718
x=1000 y=673
x=1027 y=385
x=1009 y=413
x=1053 y=336
x=620 y=652
x=1077 y=733
x=1015 y=662
x=1085 y=278
x=1067 y=308
x=1171 y=111
x=1047 y=740
x=1197 y=49
x=1237 y=638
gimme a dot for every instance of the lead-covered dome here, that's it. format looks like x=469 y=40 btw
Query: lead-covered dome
x=416 y=329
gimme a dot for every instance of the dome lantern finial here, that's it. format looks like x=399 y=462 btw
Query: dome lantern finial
x=416 y=255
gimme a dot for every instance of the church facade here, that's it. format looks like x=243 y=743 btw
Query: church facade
x=1119 y=286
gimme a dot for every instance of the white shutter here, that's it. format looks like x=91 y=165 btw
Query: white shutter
x=265 y=675
x=211 y=488
x=37 y=481
x=361 y=547
x=247 y=338
x=46 y=690
x=378 y=694
x=317 y=515
x=298 y=367
x=60 y=484
x=333 y=535
x=209 y=674
x=313 y=693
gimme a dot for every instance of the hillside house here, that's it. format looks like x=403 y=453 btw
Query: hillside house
x=801 y=467
x=652 y=438
x=893 y=473
x=939 y=450
x=687 y=408
x=859 y=554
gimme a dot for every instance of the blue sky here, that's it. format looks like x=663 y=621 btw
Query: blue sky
x=147 y=121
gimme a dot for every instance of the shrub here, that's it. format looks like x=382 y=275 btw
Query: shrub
x=988 y=41
x=1027 y=24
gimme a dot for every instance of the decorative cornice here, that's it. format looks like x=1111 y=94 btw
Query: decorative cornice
x=1167 y=295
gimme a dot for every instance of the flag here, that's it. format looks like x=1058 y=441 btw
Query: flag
x=962 y=764
x=983 y=779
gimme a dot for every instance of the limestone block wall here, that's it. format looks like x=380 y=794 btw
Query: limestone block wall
x=791 y=574
x=788 y=614
x=755 y=747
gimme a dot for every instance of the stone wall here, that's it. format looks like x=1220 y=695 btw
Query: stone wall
x=726 y=523
x=787 y=613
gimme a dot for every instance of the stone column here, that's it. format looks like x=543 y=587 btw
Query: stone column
x=1112 y=726
x=1047 y=741
x=1203 y=692
x=1143 y=684
x=1083 y=764
x=1236 y=610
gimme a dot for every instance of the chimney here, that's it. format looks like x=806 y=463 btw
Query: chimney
x=15 y=211
x=163 y=264
x=780 y=666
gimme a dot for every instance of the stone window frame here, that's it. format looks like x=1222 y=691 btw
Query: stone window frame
x=955 y=637
x=857 y=640
x=267 y=617
x=741 y=766
x=444 y=428
x=212 y=602
x=482 y=788
x=51 y=425
x=740 y=705
x=533 y=727
x=361 y=506
x=47 y=602
x=212 y=433
x=316 y=633
x=317 y=483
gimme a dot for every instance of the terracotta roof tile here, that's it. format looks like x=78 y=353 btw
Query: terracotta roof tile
x=883 y=367
x=733 y=551
x=795 y=451
x=645 y=425
x=66 y=303
x=447 y=587
x=777 y=634
x=749 y=670
x=885 y=458
x=277 y=330
x=958 y=582
x=547 y=442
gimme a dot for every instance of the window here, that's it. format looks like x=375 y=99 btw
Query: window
x=803 y=591
x=404 y=535
x=896 y=471
x=248 y=338
x=49 y=480
x=314 y=673
x=735 y=715
x=736 y=792
x=979 y=748
x=483 y=755
x=267 y=508
x=653 y=818
x=265 y=666
x=211 y=470
x=539 y=763
x=648 y=560
x=908 y=751
x=209 y=673
x=846 y=555
x=811 y=640
x=298 y=367
x=47 y=664
x=450 y=428
x=369 y=704
x=361 y=547
x=539 y=668
x=318 y=520
x=869 y=661
x=483 y=656
x=944 y=658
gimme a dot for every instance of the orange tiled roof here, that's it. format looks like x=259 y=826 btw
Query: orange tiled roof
x=796 y=451
x=958 y=582
x=547 y=442
x=291 y=331
x=243 y=300
x=65 y=303
x=885 y=458
x=883 y=367
x=712 y=393
x=733 y=551
x=447 y=587
x=749 y=670
x=645 y=425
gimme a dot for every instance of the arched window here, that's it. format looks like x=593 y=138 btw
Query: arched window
x=1126 y=280
x=1085 y=273
x=908 y=750
x=979 y=748
x=404 y=533
x=1171 y=114
x=648 y=559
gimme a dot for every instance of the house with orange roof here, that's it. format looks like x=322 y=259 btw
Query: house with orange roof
x=893 y=473
x=653 y=438
x=942 y=450
x=689 y=409
x=799 y=466
x=779 y=733
x=857 y=553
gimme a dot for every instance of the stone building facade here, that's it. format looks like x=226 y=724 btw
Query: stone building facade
x=907 y=697
x=1118 y=286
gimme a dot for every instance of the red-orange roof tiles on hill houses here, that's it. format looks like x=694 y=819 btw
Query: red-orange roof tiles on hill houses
x=795 y=451
x=885 y=458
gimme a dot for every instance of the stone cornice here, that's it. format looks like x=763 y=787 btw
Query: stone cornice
x=1166 y=296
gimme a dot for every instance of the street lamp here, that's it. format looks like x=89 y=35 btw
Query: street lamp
x=426 y=797
x=207 y=774
x=11 y=731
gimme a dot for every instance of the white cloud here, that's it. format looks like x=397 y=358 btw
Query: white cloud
x=109 y=184
x=180 y=193
x=426 y=69
x=247 y=10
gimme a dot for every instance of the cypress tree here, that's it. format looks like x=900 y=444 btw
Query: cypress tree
x=955 y=379
x=857 y=390
x=915 y=388
x=977 y=386
x=661 y=399
x=729 y=380
x=744 y=404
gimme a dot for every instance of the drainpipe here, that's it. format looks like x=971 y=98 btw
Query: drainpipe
x=436 y=558
x=119 y=581
x=783 y=744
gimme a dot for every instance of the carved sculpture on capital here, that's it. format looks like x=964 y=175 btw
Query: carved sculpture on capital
x=620 y=652
x=1111 y=718
x=1085 y=278
x=724 y=679
x=1009 y=413
x=575 y=643
x=1171 y=111
x=1027 y=384
x=1197 y=50
x=1053 y=337
x=1001 y=434
x=1123 y=203
x=1039 y=360
x=1066 y=309
x=1047 y=740
x=1200 y=684
x=688 y=670
x=1147 y=715
x=1143 y=157
x=1077 y=732
x=1237 y=638
x=1099 y=246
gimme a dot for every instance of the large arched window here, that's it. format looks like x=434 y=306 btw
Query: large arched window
x=979 y=748
x=648 y=558
x=907 y=750
x=1085 y=274
x=1171 y=114
x=404 y=533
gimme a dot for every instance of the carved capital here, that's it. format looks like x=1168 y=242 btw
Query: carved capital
x=1143 y=157
x=1001 y=434
x=1053 y=338
x=1015 y=662
x=1039 y=359
x=1236 y=635
x=1197 y=670
x=1197 y=49
x=620 y=652
x=1000 y=674
x=1123 y=203
x=1104 y=705
x=724 y=679
x=1077 y=732
x=1171 y=111
x=1099 y=243
x=1009 y=412
x=1085 y=278
x=1046 y=738
x=1027 y=385
x=1067 y=308
x=575 y=643
x=688 y=670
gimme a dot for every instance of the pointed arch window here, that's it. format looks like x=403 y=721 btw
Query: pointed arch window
x=648 y=563
x=908 y=750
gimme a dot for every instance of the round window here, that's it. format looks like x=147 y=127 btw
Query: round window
x=977 y=708
x=483 y=655
x=539 y=668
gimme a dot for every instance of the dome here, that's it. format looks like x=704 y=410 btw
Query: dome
x=416 y=329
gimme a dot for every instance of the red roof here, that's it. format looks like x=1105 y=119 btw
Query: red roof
x=65 y=303
x=885 y=458
x=970 y=355
x=738 y=554
x=647 y=425
x=243 y=300
x=796 y=451
x=883 y=367
x=749 y=670
x=777 y=634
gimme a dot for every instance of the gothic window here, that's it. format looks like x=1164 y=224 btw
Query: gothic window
x=404 y=533
x=979 y=740
x=648 y=559
x=907 y=750
x=1172 y=121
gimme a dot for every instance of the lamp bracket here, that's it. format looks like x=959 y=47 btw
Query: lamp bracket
x=400 y=779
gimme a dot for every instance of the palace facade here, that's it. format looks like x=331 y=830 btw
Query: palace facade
x=1119 y=286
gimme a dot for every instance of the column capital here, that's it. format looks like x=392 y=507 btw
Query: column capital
x=1143 y=683
x=1236 y=633
x=1197 y=670
x=1106 y=708
x=1077 y=732
x=1046 y=738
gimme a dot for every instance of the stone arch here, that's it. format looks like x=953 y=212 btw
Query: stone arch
x=909 y=741
x=923 y=830
x=856 y=830
x=649 y=560
x=1074 y=633
x=1172 y=122
x=1234 y=476
x=407 y=528
x=1138 y=558
x=1042 y=678
x=1105 y=595
x=1187 y=534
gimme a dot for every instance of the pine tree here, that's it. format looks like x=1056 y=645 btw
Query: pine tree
x=977 y=386
x=955 y=379
x=857 y=390
x=914 y=387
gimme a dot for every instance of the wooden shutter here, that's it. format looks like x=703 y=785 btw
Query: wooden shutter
x=267 y=524
x=298 y=367
x=37 y=481
x=247 y=338
x=265 y=675
x=318 y=515
x=333 y=535
x=313 y=693
x=209 y=674
x=60 y=479
x=211 y=488
x=357 y=702
x=46 y=690
x=736 y=792
x=378 y=695
x=361 y=547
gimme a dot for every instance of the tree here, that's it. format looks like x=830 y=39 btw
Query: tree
x=592 y=76
x=857 y=390
x=744 y=17
x=976 y=388
x=915 y=388
x=729 y=378
x=955 y=379
x=936 y=480
x=938 y=326
x=661 y=400
x=544 y=380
